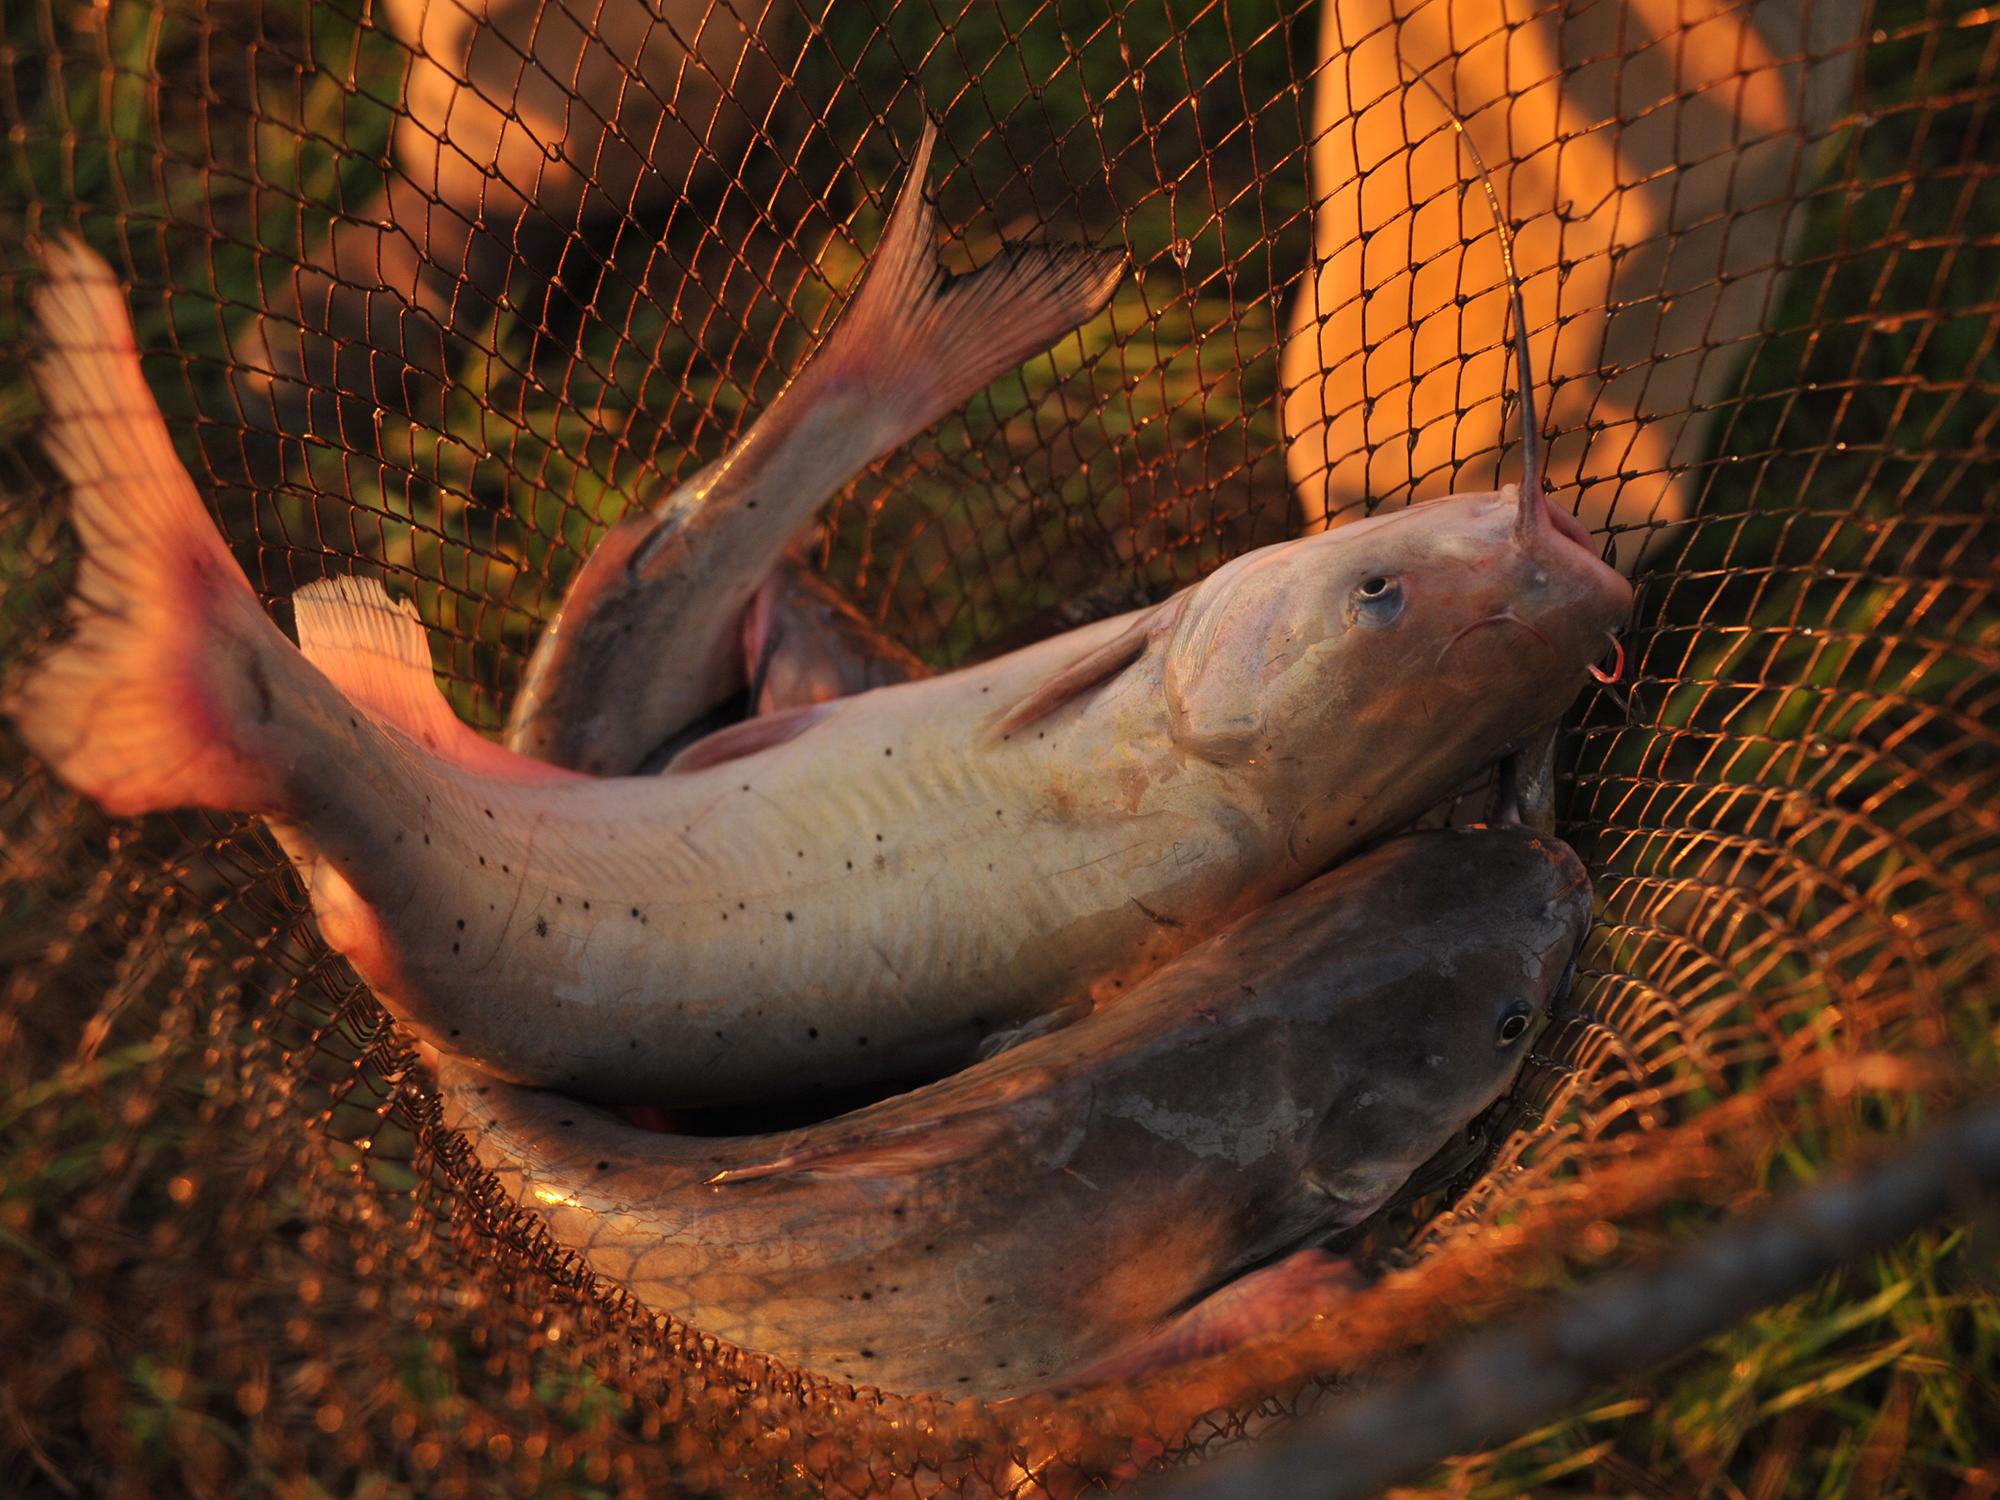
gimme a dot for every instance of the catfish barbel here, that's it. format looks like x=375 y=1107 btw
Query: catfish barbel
x=1149 y=1181
x=843 y=893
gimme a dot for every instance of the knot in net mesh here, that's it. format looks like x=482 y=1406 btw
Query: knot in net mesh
x=436 y=291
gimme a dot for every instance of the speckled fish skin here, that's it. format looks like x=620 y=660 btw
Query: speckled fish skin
x=649 y=637
x=913 y=870
x=1006 y=1228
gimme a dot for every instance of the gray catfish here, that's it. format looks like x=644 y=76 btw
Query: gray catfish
x=853 y=891
x=1053 y=1207
x=649 y=637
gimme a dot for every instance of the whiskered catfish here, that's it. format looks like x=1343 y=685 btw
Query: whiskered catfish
x=1145 y=1185
x=847 y=892
x=649 y=637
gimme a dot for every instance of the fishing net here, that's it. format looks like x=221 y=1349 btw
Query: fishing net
x=435 y=292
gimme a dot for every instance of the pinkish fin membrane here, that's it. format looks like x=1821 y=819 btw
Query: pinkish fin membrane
x=157 y=695
x=747 y=738
x=1083 y=674
x=1258 y=1305
x=924 y=341
x=374 y=649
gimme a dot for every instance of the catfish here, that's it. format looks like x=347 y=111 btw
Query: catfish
x=852 y=891
x=1149 y=1184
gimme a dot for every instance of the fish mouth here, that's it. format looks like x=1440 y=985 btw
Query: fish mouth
x=1571 y=527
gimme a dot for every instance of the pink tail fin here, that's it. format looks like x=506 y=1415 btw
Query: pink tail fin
x=153 y=697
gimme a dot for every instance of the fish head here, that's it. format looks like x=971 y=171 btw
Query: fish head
x=1439 y=635
x=1474 y=938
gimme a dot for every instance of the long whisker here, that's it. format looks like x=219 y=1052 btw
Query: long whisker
x=1531 y=464
x=1501 y=617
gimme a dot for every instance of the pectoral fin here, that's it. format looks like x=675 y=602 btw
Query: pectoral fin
x=901 y=1152
x=1087 y=672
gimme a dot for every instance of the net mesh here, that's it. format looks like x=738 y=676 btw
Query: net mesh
x=435 y=292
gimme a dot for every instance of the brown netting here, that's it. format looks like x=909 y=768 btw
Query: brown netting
x=440 y=298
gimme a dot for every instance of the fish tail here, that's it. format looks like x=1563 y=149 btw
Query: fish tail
x=154 y=695
x=916 y=341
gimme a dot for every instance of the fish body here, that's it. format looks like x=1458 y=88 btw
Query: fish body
x=1068 y=1201
x=649 y=637
x=843 y=893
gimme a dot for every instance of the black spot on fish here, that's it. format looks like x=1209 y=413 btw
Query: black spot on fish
x=586 y=906
x=788 y=917
x=635 y=911
x=454 y=947
x=604 y=1166
x=398 y=839
x=454 y=1032
x=488 y=811
x=461 y=924
x=427 y=838
x=482 y=859
x=878 y=838
x=887 y=751
x=867 y=1296
x=867 y=1353
x=558 y=901
x=812 y=1033
x=262 y=685
x=541 y=927
x=861 y=1041
x=565 y=1123
x=506 y=869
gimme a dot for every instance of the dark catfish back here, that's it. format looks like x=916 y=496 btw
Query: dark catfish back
x=993 y=1231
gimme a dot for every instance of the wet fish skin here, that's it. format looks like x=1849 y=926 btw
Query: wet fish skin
x=805 y=643
x=649 y=637
x=1050 y=1208
x=875 y=885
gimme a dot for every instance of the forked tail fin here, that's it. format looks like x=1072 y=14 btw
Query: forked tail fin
x=924 y=341
x=153 y=697
x=913 y=343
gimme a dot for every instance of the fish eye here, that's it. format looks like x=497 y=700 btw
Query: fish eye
x=1377 y=599
x=1514 y=1024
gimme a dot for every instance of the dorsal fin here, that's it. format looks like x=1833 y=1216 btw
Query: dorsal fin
x=374 y=649
x=1085 y=673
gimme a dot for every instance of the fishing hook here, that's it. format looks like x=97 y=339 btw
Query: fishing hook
x=1617 y=672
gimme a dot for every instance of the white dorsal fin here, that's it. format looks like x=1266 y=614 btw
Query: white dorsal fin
x=374 y=649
